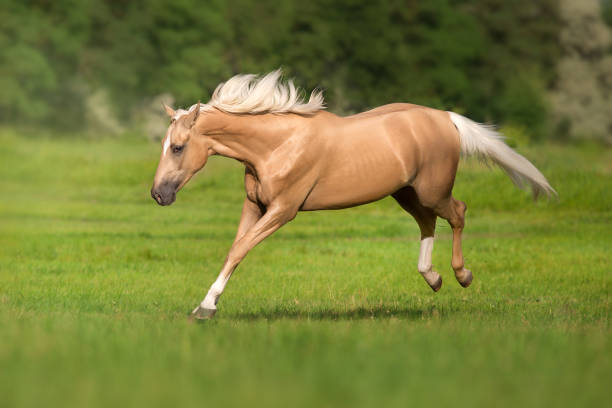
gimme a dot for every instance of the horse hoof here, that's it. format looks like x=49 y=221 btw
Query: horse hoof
x=464 y=277
x=434 y=280
x=201 y=313
x=437 y=284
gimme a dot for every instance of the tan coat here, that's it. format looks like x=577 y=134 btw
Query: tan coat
x=296 y=162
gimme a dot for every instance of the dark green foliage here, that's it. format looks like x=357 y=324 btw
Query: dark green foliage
x=491 y=59
x=606 y=11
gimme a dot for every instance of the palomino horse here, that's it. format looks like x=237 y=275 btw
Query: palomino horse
x=298 y=157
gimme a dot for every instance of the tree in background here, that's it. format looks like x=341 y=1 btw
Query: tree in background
x=40 y=44
x=582 y=100
x=69 y=63
x=606 y=11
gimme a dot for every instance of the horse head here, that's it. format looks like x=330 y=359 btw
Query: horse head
x=184 y=152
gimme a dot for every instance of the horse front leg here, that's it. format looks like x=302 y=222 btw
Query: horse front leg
x=251 y=213
x=275 y=217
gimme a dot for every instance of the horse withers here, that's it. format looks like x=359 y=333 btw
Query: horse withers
x=299 y=157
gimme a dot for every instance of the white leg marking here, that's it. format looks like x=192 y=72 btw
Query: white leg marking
x=425 y=255
x=210 y=301
x=425 y=268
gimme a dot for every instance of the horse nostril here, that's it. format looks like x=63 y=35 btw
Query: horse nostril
x=156 y=196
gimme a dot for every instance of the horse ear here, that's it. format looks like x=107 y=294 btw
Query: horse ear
x=197 y=114
x=171 y=112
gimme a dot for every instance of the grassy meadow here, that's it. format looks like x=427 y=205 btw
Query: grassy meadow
x=96 y=282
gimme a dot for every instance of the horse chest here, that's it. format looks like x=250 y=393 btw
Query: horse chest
x=251 y=184
x=256 y=191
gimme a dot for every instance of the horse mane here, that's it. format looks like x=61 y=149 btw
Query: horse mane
x=249 y=93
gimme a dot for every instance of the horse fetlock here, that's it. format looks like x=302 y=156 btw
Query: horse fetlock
x=457 y=264
x=211 y=299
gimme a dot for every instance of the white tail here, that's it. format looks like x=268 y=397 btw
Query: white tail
x=486 y=143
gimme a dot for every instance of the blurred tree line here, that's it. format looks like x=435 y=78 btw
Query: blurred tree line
x=75 y=63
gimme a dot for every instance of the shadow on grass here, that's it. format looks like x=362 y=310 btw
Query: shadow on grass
x=360 y=313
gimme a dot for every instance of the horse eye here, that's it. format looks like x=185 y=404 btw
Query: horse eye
x=177 y=149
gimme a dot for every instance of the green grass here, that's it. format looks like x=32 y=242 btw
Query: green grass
x=96 y=282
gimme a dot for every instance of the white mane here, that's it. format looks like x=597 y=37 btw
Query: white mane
x=254 y=94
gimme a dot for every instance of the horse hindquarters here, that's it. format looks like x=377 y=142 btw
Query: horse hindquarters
x=430 y=193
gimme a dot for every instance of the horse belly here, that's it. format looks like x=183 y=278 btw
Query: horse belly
x=359 y=183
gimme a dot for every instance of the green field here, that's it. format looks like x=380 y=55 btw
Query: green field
x=96 y=282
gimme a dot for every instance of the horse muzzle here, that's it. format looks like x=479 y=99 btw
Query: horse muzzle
x=165 y=194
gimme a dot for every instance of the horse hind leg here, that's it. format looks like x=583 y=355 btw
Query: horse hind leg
x=454 y=212
x=426 y=219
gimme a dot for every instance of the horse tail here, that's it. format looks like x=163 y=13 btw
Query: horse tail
x=484 y=142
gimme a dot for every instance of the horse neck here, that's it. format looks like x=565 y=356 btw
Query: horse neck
x=251 y=138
